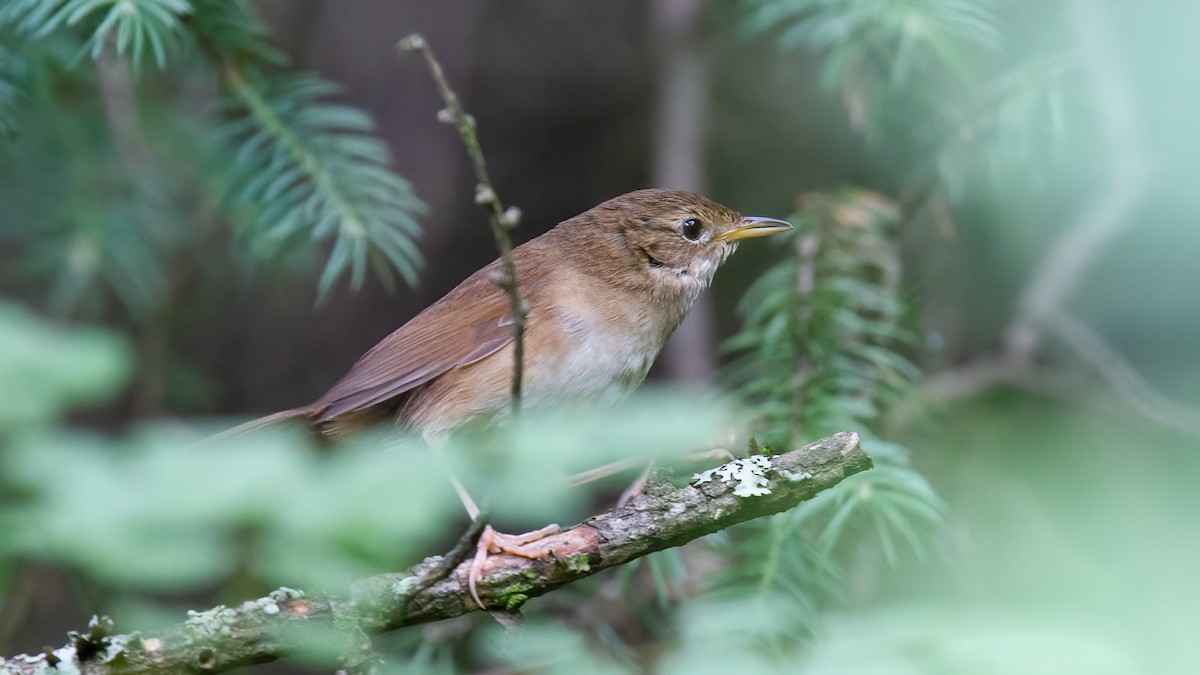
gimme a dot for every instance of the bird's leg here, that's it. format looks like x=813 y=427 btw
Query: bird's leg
x=637 y=487
x=600 y=472
x=708 y=455
x=437 y=441
x=491 y=541
x=612 y=469
x=639 y=484
x=463 y=496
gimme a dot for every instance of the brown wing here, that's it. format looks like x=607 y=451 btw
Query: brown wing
x=470 y=323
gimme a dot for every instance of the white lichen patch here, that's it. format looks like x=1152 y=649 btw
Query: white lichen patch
x=405 y=586
x=750 y=475
x=67 y=661
x=283 y=594
x=794 y=476
x=40 y=666
x=208 y=616
x=217 y=622
x=270 y=604
x=116 y=647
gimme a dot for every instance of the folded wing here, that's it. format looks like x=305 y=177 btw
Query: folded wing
x=472 y=322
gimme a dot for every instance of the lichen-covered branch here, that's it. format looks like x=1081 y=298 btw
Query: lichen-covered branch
x=285 y=621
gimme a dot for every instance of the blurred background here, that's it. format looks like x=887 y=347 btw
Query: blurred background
x=209 y=210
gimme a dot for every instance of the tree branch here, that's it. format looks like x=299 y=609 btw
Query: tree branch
x=279 y=624
x=501 y=219
x=1124 y=379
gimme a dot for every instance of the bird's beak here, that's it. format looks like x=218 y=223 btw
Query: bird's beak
x=754 y=227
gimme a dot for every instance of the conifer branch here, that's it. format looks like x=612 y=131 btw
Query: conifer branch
x=312 y=166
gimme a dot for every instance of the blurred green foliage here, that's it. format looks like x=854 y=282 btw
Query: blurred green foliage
x=130 y=27
x=165 y=511
x=932 y=84
x=288 y=169
x=46 y=371
x=526 y=467
x=1060 y=538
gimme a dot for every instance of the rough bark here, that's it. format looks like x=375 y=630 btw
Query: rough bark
x=288 y=621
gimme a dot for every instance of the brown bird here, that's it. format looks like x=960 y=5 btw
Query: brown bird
x=605 y=291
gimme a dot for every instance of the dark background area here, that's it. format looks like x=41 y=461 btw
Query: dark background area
x=565 y=99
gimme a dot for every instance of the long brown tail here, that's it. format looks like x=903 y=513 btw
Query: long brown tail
x=273 y=418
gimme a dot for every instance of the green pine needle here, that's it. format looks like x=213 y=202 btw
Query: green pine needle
x=820 y=351
x=13 y=71
x=305 y=168
x=300 y=171
x=131 y=27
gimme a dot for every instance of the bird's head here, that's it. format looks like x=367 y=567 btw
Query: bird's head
x=670 y=241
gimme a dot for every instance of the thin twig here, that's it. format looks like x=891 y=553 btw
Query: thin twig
x=287 y=621
x=446 y=564
x=502 y=219
x=1124 y=379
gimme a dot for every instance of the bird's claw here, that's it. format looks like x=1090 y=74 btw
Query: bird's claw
x=523 y=545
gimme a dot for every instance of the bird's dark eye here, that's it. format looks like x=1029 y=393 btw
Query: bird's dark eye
x=691 y=229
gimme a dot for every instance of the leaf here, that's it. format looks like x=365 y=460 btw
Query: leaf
x=45 y=370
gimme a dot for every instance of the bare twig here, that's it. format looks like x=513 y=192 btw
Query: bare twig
x=446 y=564
x=1124 y=379
x=272 y=627
x=502 y=219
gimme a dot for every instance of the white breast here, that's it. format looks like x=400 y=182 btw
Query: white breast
x=597 y=363
x=606 y=351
